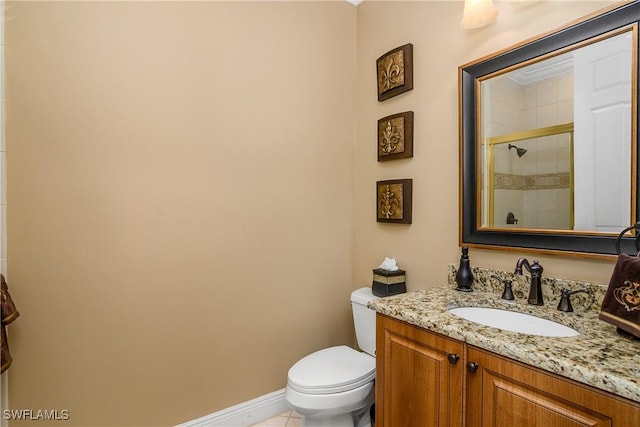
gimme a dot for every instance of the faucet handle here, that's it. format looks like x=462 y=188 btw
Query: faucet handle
x=565 y=299
x=507 y=293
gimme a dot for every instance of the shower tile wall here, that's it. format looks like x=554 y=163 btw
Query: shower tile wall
x=505 y=101
x=516 y=108
x=549 y=103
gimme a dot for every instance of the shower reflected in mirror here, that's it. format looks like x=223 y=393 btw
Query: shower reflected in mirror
x=538 y=187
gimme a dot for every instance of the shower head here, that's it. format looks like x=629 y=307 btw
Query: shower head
x=521 y=151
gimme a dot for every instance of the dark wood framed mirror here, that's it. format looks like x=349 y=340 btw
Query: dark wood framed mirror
x=521 y=186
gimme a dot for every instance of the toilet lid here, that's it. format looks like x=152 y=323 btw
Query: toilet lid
x=332 y=370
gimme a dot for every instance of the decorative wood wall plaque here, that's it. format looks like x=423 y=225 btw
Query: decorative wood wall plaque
x=395 y=136
x=395 y=72
x=393 y=201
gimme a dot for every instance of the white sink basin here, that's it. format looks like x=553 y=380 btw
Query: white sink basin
x=514 y=321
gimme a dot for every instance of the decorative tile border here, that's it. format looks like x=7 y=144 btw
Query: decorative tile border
x=505 y=181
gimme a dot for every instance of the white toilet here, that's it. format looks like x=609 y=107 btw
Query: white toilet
x=334 y=387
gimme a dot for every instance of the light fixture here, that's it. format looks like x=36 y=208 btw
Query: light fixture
x=478 y=13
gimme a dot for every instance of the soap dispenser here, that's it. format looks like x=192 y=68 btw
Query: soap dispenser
x=464 y=276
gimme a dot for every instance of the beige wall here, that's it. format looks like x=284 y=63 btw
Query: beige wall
x=188 y=210
x=180 y=176
x=425 y=247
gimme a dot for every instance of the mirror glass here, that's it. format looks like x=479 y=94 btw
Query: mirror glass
x=548 y=140
x=537 y=173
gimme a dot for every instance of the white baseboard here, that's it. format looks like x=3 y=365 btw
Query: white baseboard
x=244 y=414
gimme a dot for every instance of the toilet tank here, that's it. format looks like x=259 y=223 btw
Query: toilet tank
x=364 y=320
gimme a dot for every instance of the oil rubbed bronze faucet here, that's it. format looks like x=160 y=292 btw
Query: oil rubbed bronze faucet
x=535 y=291
x=565 y=299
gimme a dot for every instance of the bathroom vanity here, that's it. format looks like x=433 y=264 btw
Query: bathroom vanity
x=437 y=369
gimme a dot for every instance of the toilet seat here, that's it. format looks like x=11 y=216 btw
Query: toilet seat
x=332 y=370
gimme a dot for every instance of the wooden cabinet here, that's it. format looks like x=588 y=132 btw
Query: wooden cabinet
x=503 y=392
x=424 y=379
x=419 y=379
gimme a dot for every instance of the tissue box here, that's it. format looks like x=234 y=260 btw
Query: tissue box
x=387 y=283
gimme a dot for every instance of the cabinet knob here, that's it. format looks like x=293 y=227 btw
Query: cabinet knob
x=472 y=367
x=453 y=358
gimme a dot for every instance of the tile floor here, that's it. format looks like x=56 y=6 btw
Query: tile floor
x=286 y=419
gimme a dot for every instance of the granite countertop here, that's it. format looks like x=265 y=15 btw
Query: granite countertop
x=598 y=356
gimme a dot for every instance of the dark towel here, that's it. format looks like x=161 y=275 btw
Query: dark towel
x=9 y=314
x=621 y=303
x=5 y=359
x=9 y=311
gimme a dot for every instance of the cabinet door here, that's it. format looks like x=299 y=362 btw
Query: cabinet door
x=503 y=392
x=419 y=377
